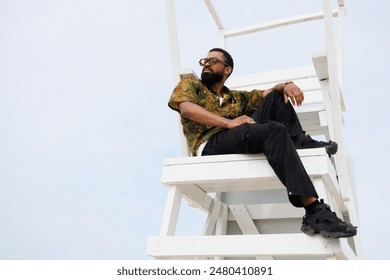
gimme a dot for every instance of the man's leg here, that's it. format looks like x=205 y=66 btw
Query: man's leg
x=274 y=108
x=272 y=139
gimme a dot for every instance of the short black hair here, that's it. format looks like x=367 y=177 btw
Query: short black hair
x=228 y=57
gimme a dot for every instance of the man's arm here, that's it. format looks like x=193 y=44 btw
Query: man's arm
x=200 y=115
x=289 y=90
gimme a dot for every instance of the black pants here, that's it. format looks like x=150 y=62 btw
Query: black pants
x=276 y=123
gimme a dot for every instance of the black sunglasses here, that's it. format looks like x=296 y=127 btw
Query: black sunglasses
x=211 y=61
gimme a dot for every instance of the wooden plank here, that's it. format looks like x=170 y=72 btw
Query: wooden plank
x=234 y=172
x=321 y=65
x=214 y=14
x=332 y=186
x=171 y=211
x=272 y=77
x=187 y=73
x=320 y=62
x=272 y=211
x=235 y=157
x=246 y=224
x=212 y=217
x=197 y=197
x=173 y=39
x=288 y=245
x=221 y=227
x=275 y=24
x=243 y=219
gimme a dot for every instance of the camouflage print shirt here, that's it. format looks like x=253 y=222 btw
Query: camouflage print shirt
x=235 y=103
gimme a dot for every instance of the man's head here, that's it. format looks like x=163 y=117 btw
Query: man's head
x=217 y=67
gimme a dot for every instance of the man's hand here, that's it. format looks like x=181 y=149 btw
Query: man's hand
x=240 y=121
x=294 y=93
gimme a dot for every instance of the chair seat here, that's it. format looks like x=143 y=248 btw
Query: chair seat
x=238 y=172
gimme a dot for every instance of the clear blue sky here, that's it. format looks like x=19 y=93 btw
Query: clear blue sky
x=84 y=125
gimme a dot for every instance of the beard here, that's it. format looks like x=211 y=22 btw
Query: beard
x=209 y=79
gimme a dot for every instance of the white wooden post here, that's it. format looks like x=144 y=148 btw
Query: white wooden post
x=334 y=84
x=171 y=212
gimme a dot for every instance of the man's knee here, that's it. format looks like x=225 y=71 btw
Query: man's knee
x=277 y=131
x=268 y=129
x=275 y=126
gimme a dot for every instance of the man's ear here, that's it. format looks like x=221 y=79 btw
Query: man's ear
x=228 y=70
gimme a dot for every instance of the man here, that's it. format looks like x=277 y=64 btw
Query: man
x=217 y=120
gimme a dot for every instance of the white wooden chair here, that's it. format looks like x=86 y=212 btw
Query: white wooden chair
x=193 y=178
x=248 y=214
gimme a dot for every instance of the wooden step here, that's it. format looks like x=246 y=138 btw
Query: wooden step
x=238 y=246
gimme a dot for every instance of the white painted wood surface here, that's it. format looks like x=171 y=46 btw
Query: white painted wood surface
x=276 y=245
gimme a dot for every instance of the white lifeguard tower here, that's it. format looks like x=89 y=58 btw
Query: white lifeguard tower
x=248 y=213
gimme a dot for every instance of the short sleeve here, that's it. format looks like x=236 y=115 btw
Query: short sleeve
x=186 y=90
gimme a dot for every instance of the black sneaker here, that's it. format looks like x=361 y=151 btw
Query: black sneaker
x=306 y=142
x=325 y=222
